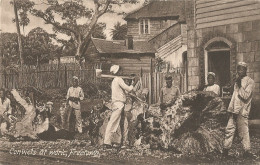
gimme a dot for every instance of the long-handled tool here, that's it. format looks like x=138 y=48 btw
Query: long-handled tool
x=100 y=75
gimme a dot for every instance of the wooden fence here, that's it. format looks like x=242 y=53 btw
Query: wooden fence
x=46 y=76
x=60 y=76
x=155 y=81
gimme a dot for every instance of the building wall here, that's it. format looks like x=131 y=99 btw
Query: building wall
x=156 y=26
x=193 y=63
x=132 y=65
x=64 y=60
x=168 y=35
x=242 y=30
x=221 y=12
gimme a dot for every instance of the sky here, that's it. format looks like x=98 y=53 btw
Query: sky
x=7 y=15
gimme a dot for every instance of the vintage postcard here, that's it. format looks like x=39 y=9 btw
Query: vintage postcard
x=129 y=82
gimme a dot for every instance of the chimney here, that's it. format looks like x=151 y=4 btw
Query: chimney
x=129 y=42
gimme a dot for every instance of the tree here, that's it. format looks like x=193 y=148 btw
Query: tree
x=38 y=48
x=21 y=7
x=9 y=49
x=70 y=11
x=119 y=31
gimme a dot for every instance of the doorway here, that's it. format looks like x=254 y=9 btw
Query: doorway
x=219 y=63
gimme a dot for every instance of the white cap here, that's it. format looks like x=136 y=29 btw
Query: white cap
x=242 y=64
x=75 y=77
x=212 y=73
x=114 y=69
x=49 y=103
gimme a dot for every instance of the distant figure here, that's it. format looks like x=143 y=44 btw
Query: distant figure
x=119 y=89
x=74 y=96
x=239 y=108
x=211 y=84
x=168 y=94
x=5 y=111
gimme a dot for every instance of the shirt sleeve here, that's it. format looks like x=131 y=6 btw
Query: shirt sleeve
x=68 y=94
x=245 y=92
x=178 y=92
x=217 y=90
x=124 y=86
x=9 y=108
x=81 y=94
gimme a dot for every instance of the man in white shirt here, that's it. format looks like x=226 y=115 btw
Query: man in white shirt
x=74 y=96
x=239 y=108
x=119 y=89
x=211 y=84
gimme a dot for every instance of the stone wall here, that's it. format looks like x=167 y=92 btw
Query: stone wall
x=246 y=38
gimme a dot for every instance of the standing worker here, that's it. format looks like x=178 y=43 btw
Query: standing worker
x=239 y=108
x=168 y=93
x=74 y=96
x=119 y=89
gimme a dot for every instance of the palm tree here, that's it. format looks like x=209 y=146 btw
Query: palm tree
x=119 y=31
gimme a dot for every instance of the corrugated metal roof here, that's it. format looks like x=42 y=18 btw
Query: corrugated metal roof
x=157 y=9
x=118 y=46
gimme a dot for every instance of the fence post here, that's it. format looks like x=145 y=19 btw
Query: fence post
x=150 y=83
x=65 y=70
x=5 y=82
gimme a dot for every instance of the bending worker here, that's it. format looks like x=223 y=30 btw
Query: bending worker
x=119 y=88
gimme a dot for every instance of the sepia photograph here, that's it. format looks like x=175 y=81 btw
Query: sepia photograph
x=129 y=82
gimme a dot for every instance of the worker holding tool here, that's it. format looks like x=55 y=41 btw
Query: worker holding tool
x=119 y=89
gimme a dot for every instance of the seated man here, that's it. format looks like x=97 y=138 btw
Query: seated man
x=168 y=94
x=211 y=84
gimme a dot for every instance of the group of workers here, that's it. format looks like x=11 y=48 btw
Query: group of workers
x=238 y=108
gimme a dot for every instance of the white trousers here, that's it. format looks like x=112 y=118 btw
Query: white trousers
x=241 y=125
x=114 y=122
x=78 y=118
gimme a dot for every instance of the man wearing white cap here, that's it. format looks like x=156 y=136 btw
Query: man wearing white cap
x=74 y=96
x=211 y=84
x=119 y=89
x=239 y=108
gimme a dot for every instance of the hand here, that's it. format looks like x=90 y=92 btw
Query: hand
x=163 y=106
x=235 y=116
x=10 y=118
x=133 y=82
x=238 y=82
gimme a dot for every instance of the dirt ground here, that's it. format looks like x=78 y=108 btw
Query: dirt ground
x=82 y=149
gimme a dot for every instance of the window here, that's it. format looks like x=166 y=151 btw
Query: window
x=144 y=26
x=163 y=24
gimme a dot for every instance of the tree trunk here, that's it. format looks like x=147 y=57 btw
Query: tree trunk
x=19 y=34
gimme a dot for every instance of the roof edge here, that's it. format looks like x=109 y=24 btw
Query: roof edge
x=164 y=31
x=134 y=11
